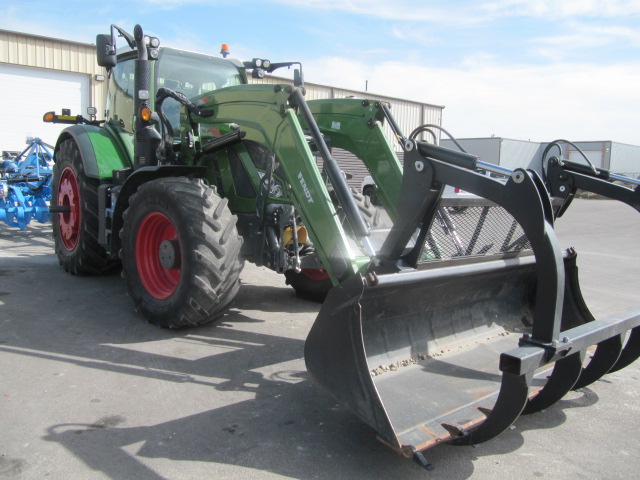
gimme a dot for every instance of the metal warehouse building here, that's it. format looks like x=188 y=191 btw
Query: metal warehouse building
x=42 y=74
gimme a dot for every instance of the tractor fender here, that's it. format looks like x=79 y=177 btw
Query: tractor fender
x=137 y=178
x=100 y=152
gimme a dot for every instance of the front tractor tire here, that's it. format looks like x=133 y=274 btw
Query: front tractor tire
x=75 y=231
x=180 y=252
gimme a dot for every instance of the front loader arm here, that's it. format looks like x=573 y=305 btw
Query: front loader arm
x=355 y=125
x=265 y=114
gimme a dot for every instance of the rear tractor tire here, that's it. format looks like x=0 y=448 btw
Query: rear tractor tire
x=180 y=252
x=75 y=232
x=369 y=213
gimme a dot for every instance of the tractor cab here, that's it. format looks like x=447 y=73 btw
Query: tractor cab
x=189 y=73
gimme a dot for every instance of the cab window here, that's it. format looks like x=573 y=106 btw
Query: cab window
x=121 y=93
x=192 y=74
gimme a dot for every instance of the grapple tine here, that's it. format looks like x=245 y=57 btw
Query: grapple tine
x=630 y=352
x=576 y=312
x=564 y=376
x=514 y=392
x=602 y=361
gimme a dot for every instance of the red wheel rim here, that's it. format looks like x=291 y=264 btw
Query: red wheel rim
x=160 y=282
x=315 y=274
x=69 y=196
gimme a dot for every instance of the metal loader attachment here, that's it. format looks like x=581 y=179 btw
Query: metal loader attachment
x=564 y=179
x=455 y=349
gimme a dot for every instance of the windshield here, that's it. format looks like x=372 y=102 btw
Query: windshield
x=192 y=74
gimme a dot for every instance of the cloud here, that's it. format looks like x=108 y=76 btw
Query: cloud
x=424 y=38
x=583 y=38
x=438 y=12
x=172 y=4
x=576 y=101
x=473 y=12
x=554 y=9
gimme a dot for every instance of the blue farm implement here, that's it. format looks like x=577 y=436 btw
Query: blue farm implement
x=25 y=185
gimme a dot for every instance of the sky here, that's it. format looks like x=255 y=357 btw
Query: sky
x=525 y=69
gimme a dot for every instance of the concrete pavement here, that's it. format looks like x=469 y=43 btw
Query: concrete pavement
x=90 y=390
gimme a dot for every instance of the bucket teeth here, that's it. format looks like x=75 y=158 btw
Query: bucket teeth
x=458 y=432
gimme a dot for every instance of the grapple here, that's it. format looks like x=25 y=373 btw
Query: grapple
x=428 y=348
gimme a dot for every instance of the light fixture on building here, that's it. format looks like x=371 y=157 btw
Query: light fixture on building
x=99 y=78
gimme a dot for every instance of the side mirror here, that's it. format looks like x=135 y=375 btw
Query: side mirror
x=298 y=79
x=106 y=51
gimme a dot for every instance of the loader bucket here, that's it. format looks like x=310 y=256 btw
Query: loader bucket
x=418 y=355
x=415 y=355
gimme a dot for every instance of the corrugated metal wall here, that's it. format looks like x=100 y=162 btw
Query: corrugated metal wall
x=488 y=149
x=625 y=159
x=521 y=154
x=55 y=54
x=598 y=153
x=617 y=157
x=506 y=152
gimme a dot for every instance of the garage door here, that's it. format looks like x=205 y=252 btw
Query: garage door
x=29 y=93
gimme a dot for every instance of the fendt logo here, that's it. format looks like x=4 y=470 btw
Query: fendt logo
x=305 y=188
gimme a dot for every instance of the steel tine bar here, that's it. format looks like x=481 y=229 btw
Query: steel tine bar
x=630 y=352
x=513 y=396
x=564 y=376
x=604 y=358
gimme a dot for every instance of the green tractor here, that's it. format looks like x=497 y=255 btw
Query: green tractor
x=195 y=171
x=181 y=197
